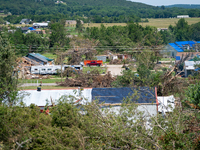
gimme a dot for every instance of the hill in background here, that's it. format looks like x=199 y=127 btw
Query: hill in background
x=192 y=6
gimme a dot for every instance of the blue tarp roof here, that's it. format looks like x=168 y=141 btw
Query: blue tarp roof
x=31 y=28
x=176 y=47
x=41 y=56
x=179 y=45
x=116 y=95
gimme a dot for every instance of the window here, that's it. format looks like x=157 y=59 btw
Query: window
x=49 y=69
x=36 y=69
x=43 y=69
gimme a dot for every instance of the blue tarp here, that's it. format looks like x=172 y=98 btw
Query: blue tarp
x=198 y=69
x=117 y=95
x=178 y=57
x=31 y=28
x=176 y=47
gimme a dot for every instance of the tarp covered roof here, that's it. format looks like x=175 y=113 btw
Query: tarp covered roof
x=117 y=95
x=178 y=46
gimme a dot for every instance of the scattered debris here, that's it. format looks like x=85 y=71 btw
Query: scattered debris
x=93 y=79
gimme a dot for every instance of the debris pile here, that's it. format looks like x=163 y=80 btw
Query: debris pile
x=93 y=79
x=116 y=61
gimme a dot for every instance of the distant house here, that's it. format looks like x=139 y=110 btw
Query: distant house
x=7 y=23
x=162 y=29
x=172 y=49
x=72 y=22
x=189 y=55
x=183 y=16
x=25 y=29
x=190 y=67
x=102 y=57
x=25 y=21
x=40 y=25
x=39 y=58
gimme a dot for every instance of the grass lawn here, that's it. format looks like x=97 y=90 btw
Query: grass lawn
x=39 y=80
x=100 y=69
x=167 y=59
x=50 y=55
x=158 y=23
x=45 y=87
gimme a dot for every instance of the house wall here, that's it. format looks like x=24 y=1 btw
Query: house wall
x=169 y=51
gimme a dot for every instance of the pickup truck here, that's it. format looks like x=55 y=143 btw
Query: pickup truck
x=93 y=63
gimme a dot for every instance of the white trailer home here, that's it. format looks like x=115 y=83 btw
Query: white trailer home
x=52 y=69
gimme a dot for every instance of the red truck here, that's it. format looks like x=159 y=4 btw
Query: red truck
x=93 y=63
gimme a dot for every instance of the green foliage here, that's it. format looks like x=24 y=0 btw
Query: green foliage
x=58 y=36
x=192 y=94
x=8 y=73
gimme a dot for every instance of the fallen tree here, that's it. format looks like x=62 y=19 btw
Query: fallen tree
x=92 y=79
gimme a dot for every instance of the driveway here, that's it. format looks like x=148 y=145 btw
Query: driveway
x=115 y=69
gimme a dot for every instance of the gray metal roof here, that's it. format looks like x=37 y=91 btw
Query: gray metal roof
x=36 y=56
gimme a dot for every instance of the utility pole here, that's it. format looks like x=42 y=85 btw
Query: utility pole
x=61 y=67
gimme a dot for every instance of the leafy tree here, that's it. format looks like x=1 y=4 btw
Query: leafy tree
x=192 y=94
x=58 y=35
x=181 y=30
x=8 y=72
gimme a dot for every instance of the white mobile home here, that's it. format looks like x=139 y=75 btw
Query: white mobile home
x=52 y=69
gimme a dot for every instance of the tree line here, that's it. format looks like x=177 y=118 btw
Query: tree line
x=117 y=38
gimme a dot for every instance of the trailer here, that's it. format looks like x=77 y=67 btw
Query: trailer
x=52 y=69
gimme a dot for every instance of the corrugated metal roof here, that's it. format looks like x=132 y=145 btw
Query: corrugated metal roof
x=44 y=96
x=36 y=56
x=41 y=56
x=178 y=45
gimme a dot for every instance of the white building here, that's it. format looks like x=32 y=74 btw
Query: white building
x=40 y=25
x=190 y=66
x=183 y=16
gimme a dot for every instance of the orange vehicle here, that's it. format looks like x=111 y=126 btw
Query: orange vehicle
x=93 y=62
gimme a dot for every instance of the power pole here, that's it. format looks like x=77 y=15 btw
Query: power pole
x=61 y=67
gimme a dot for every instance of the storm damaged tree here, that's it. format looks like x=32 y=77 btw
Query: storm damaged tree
x=80 y=50
x=8 y=72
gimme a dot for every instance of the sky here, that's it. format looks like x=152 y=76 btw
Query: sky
x=167 y=2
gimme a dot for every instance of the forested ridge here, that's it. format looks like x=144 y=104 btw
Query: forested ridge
x=94 y=10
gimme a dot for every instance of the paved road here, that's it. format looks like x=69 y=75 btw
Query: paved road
x=115 y=69
x=35 y=84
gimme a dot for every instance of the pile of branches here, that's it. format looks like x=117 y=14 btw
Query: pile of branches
x=93 y=79
x=116 y=61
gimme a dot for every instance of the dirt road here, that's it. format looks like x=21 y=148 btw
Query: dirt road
x=115 y=69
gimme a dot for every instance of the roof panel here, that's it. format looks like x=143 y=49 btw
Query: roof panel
x=117 y=95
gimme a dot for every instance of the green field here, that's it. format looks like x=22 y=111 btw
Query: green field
x=39 y=80
x=158 y=23
x=49 y=55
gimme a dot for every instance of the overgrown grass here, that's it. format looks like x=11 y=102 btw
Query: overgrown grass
x=167 y=59
x=39 y=80
x=100 y=69
x=49 y=55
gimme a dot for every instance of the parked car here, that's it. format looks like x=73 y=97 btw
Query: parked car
x=93 y=63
